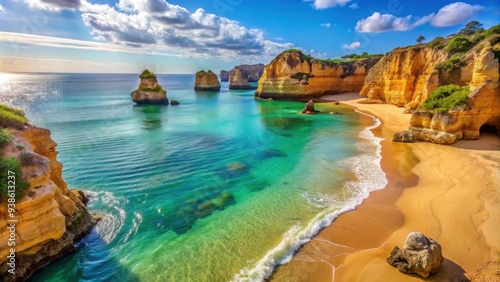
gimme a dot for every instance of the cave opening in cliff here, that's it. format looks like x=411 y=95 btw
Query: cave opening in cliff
x=488 y=129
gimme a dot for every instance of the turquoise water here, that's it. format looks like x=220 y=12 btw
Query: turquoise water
x=220 y=188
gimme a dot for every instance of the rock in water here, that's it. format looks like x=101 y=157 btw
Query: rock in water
x=403 y=136
x=149 y=91
x=309 y=109
x=174 y=103
x=224 y=75
x=238 y=81
x=206 y=81
x=421 y=255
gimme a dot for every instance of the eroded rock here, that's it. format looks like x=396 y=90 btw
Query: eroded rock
x=420 y=255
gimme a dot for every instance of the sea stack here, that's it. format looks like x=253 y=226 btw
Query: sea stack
x=149 y=91
x=224 y=75
x=206 y=81
x=238 y=81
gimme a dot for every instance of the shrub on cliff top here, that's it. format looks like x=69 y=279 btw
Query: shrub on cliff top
x=147 y=74
x=10 y=117
x=459 y=44
x=13 y=165
x=492 y=31
x=446 y=98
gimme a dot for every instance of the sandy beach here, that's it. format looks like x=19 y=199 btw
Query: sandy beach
x=449 y=193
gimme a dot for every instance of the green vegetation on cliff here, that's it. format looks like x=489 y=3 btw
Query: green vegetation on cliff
x=446 y=98
x=5 y=137
x=150 y=89
x=10 y=117
x=344 y=59
x=11 y=166
x=147 y=74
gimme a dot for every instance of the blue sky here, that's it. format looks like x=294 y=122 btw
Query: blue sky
x=177 y=36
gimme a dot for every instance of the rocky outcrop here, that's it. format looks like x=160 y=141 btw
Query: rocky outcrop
x=420 y=255
x=252 y=73
x=295 y=76
x=483 y=101
x=404 y=77
x=206 y=81
x=149 y=91
x=309 y=108
x=404 y=136
x=50 y=217
x=238 y=81
x=224 y=75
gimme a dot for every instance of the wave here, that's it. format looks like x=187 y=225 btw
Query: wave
x=371 y=177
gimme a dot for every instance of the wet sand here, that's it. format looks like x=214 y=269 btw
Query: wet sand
x=450 y=193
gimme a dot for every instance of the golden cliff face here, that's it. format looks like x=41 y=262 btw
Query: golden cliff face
x=50 y=217
x=481 y=74
x=404 y=77
x=206 y=81
x=291 y=76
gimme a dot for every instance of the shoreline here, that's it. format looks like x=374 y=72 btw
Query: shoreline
x=453 y=201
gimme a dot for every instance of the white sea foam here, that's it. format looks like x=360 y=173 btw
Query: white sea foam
x=371 y=177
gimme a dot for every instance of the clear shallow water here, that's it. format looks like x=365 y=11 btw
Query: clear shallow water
x=220 y=188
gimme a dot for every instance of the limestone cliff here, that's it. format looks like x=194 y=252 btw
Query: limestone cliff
x=408 y=76
x=483 y=102
x=404 y=77
x=293 y=75
x=50 y=217
x=206 y=81
x=252 y=73
x=238 y=81
x=149 y=91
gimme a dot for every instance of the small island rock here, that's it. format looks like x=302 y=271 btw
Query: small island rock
x=149 y=91
x=206 y=81
x=174 y=103
x=421 y=255
x=238 y=81
x=309 y=109
x=224 y=75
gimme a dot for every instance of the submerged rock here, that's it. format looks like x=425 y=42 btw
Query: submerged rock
x=149 y=91
x=236 y=166
x=421 y=255
x=309 y=109
x=206 y=81
x=403 y=136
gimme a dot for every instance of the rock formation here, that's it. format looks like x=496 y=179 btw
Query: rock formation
x=252 y=73
x=420 y=255
x=149 y=91
x=237 y=80
x=206 y=81
x=479 y=71
x=309 y=108
x=224 y=75
x=50 y=217
x=295 y=76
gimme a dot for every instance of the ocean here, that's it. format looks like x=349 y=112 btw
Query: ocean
x=220 y=188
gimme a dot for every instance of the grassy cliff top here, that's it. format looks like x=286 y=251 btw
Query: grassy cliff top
x=10 y=117
x=344 y=59
x=147 y=74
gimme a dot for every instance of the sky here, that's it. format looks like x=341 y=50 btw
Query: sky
x=174 y=36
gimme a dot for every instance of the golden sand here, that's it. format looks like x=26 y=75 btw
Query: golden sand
x=449 y=193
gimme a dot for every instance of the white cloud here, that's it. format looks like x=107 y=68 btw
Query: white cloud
x=377 y=23
x=2 y=10
x=353 y=46
x=454 y=14
x=324 y=4
x=325 y=25
x=354 y=6
x=159 y=25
